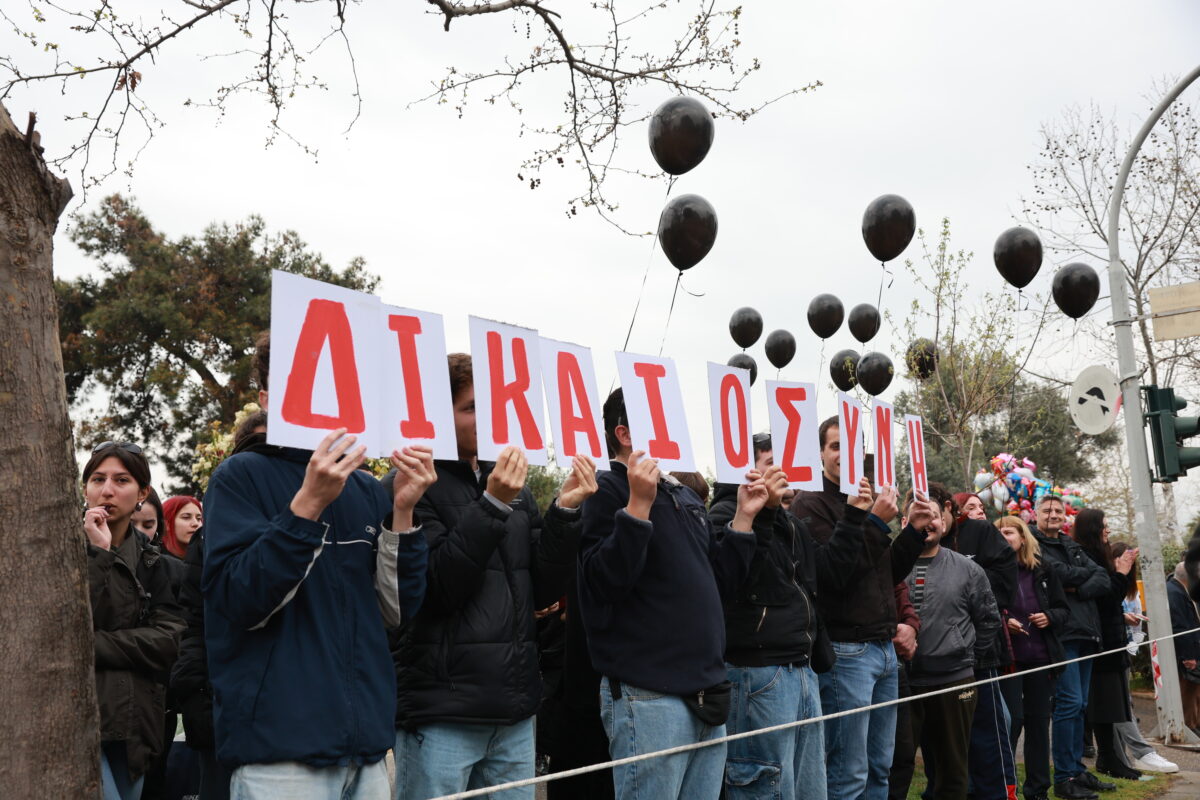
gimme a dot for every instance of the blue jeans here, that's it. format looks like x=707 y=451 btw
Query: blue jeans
x=114 y=773
x=786 y=764
x=1070 y=700
x=448 y=757
x=642 y=721
x=291 y=780
x=859 y=747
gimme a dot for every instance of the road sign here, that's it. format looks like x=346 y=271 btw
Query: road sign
x=1095 y=400
x=1175 y=311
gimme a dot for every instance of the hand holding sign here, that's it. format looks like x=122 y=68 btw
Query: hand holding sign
x=580 y=484
x=776 y=481
x=751 y=498
x=508 y=476
x=925 y=516
x=864 y=498
x=643 y=484
x=326 y=473
x=414 y=474
x=885 y=504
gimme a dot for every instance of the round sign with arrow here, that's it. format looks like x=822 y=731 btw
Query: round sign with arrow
x=1095 y=400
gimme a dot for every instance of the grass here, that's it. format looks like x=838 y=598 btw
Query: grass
x=1126 y=790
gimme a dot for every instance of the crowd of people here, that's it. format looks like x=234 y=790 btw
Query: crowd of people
x=305 y=619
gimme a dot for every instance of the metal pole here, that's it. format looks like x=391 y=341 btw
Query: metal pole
x=1170 y=708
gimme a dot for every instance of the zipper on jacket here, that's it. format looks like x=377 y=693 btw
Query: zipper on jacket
x=761 y=620
x=700 y=698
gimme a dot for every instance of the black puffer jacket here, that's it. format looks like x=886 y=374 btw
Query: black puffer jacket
x=986 y=546
x=470 y=655
x=1083 y=581
x=773 y=618
x=1114 y=632
x=191 y=692
x=137 y=627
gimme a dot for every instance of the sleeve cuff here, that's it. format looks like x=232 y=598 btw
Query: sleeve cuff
x=411 y=530
x=879 y=523
x=505 y=507
x=566 y=512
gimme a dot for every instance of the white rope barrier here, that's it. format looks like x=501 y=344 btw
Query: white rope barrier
x=684 y=748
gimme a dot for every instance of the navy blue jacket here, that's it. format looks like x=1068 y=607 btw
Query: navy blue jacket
x=650 y=591
x=297 y=651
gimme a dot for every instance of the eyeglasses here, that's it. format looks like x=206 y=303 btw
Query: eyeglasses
x=128 y=447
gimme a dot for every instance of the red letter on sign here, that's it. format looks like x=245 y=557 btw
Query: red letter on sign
x=325 y=322
x=571 y=392
x=784 y=398
x=883 y=447
x=505 y=393
x=916 y=445
x=417 y=426
x=736 y=452
x=852 y=416
x=661 y=445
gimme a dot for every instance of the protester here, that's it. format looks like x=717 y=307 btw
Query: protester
x=905 y=644
x=183 y=518
x=305 y=562
x=1184 y=618
x=149 y=518
x=694 y=481
x=993 y=770
x=1109 y=700
x=652 y=575
x=1036 y=614
x=862 y=625
x=969 y=507
x=776 y=643
x=1129 y=739
x=1083 y=581
x=959 y=618
x=134 y=616
x=467 y=664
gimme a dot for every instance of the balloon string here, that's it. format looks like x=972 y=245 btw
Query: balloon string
x=670 y=311
x=649 y=259
x=1012 y=397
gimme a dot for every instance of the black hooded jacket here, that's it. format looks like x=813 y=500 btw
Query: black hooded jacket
x=985 y=545
x=773 y=619
x=1083 y=581
x=470 y=654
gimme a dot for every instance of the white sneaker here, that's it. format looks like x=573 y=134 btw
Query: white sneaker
x=1153 y=762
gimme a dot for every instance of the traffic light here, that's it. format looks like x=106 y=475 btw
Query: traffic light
x=1167 y=432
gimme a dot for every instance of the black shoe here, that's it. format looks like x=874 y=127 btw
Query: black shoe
x=1119 y=771
x=1090 y=781
x=1089 y=751
x=1038 y=796
x=1070 y=790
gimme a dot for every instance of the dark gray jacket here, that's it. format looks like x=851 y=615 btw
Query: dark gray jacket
x=959 y=619
x=1083 y=581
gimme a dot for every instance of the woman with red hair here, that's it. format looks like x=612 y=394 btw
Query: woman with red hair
x=183 y=517
x=969 y=507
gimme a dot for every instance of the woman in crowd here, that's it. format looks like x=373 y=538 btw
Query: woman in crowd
x=149 y=518
x=1038 y=610
x=183 y=517
x=1129 y=739
x=134 y=616
x=1109 y=701
x=969 y=507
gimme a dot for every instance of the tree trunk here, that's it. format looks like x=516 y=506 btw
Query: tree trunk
x=50 y=725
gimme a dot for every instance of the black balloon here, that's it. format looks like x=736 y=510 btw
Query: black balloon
x=780 y=347
x=745 y=326
x=922 y=357
x=843 y=368
x=864 y=322
x=825 y=314
x=1018 y=256
x=888 y=226
x=745 y=361
x=681 y=132
x=1075 y=289
x=687 y=230
x=875 y=373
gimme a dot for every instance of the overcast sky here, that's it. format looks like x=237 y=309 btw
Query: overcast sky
x=940 y=102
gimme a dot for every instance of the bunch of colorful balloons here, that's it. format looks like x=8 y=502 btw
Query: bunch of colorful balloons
x=1012 y=486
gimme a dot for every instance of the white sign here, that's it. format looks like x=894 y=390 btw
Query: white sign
x=733 y=440
x=508 y=397
x=569 y=377
x=417 y=408
x=654 y=404
x=914 y=428
x=794 y=426
x=1095 y=400
x=850 y=441
x=885 y=452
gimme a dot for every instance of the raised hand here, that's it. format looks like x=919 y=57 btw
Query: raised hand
x=885 y=504
x=326 y=474
x=751 y=498
x=923 y=515
x=580 y=484
x=777 y=485
x=1125 y=561
x=414 y=474
x=643 y=484
x=95 y=525
x=508 y=476
x=864 y=498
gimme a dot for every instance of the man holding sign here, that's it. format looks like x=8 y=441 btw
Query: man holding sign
x=305 y=562
x=467 y=665
x=861 y=620
x=652 y=574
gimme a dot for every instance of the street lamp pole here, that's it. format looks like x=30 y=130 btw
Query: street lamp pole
x=1170 y=709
